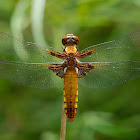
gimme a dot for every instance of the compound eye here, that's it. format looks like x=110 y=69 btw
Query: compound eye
x=76 y=41
x=64 y=41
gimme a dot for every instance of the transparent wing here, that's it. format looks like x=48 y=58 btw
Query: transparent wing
x=114 y=51
x=108 y=74
x=29 y=74
x=24 y=51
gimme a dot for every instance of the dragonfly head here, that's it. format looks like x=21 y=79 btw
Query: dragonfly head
x=70 y=40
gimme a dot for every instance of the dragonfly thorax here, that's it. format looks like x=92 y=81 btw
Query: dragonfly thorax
x=70 y=59
x=70 y=49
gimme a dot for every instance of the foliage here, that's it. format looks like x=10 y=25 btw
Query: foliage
x=27 y=113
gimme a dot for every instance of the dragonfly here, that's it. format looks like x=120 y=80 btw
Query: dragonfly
x=99 y=66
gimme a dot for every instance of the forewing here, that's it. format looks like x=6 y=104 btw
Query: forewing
x=114 y=51
x=34 y=75
x=110 y=74
x=24 y=51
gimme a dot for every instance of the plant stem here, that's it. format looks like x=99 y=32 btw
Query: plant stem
x=63 y=122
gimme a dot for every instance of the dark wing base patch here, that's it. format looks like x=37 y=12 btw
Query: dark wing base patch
x=83 y=69
x=58 y=69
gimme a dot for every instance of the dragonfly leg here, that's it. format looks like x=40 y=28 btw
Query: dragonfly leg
x=83 y=55
x=57 y=54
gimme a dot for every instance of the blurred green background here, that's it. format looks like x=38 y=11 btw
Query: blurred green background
x=103 y=114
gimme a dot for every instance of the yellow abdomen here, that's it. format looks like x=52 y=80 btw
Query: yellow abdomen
x=70 y=93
